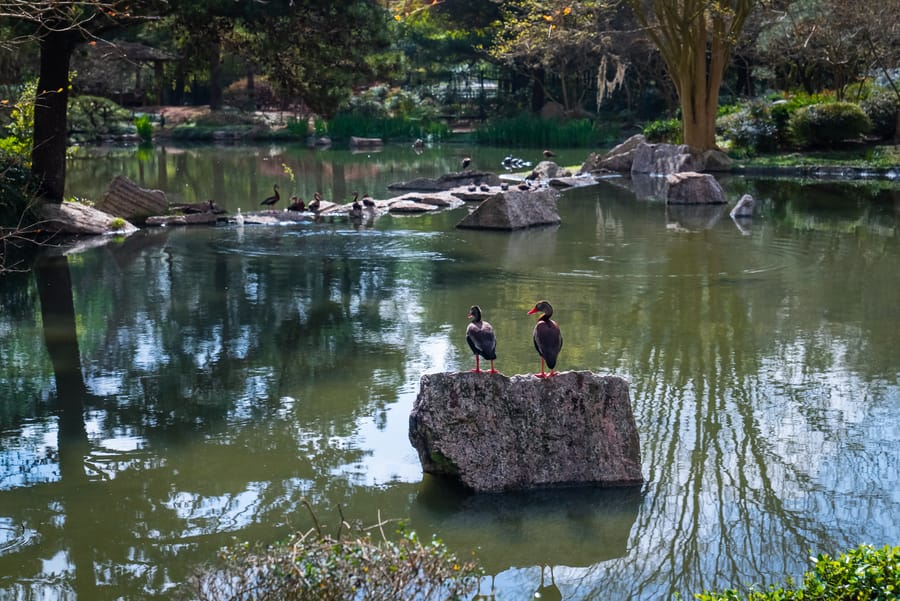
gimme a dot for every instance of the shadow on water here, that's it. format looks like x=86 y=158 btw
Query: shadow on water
x=576 y=527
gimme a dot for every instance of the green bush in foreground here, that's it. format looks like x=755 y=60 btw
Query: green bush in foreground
x=313 y=566
x=863 y=574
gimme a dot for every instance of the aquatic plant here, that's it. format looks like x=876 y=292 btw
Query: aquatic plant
x=315 y=566
x=861 y=574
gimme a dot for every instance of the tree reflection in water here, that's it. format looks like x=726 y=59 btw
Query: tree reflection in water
x=201 y=383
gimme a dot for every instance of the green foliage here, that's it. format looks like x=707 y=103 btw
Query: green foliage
x=882 y=107
x=345 y=125
x=314 y=566
x=117 y=223
x=664 y=130
x=144 y=127
x=862 y=574
x=529 y=131
x=825 y=124
x=16 y=191
x=748 y=129
x=388 y=113
x=95 y=116
x=19 y=124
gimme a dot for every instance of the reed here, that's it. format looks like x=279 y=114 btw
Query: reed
x=528 y=131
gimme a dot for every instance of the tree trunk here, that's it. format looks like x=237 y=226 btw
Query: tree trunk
x=215 y=76
x=48 y=156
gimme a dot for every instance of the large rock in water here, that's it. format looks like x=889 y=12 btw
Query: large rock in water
x=495 y=433
x=514 y=210
x=690 y=187
x=126 y=199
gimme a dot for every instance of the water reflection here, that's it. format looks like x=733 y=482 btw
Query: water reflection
x=188 y=386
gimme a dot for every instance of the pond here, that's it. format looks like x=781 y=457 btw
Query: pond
x=198 y=384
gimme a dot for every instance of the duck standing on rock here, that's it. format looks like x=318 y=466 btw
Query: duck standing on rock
x=481 y=339
x=368 y=201
x=297 y=204
x=549 y=154
x=271 y=200
x=547 y=338
x=466 y=162
x=315 y=203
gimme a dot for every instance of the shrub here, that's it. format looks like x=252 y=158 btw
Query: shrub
x=749 y=128
x=664 y=130
x=881 y=107
x=96 y=116
x=144 y=127
x=862 y=574
x=20 y=126
x=16 y=186
x=264 y=95
x=826 y=124
x=314 y=566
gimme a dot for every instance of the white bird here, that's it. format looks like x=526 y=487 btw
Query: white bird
x=239 y=219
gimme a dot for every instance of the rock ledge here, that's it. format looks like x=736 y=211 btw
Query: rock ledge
x=496 y=433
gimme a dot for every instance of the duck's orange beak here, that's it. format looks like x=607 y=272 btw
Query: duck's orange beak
x=533 y=311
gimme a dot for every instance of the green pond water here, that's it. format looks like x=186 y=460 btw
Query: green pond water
x=163 y=395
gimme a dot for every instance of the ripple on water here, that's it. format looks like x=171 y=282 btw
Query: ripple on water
x=314 y=240
x=13 y=536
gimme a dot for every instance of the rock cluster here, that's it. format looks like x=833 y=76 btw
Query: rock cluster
x=496 y=433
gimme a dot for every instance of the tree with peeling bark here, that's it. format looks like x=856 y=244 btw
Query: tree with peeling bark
x=695 y=39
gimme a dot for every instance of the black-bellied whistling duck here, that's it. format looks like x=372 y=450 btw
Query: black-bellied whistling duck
x=547 y=337
x=355 y=207
x=368 y=201
x=466 y=162
x=315 y=203
x=481 y=339
x=549 y=154
x=297 y=204
x=271 y=200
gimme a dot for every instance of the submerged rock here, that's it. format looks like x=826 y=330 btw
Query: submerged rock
x=496 y=433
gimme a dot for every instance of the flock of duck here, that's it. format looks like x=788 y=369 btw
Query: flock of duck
x=547 y=339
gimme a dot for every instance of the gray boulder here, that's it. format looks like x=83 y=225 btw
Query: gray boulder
x=76 y=218
x=693 y=188
x=126 y=199
x=618 y=159
x=744 y=207
x=548 y=170
x=513 y=210
x=496 y=433
x=665 y=159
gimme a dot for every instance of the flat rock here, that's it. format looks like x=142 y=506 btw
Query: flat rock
x=514 y=209
x=448 y=181
x=495 y=433
x=187 y=219
x=77 y=218
x=410 y=206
